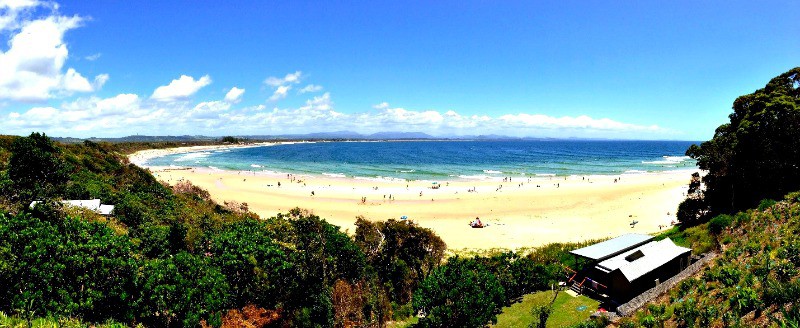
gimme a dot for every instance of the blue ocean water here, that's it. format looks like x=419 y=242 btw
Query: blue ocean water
x=446 y=160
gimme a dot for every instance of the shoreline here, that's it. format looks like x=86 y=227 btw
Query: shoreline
x=523 y=212
x=140 y=158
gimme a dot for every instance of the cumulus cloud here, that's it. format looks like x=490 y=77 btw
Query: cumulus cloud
x=11 y=9
x=291 y=78
x=282 y=85
x=280 y=92
x=31 y=69
x=81 y=115
x=310 y=88
x=128 y=113
x=180 y=89
x=568 y=122
x=234 y=96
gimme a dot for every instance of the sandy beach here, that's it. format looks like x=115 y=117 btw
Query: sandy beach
x=522 y=212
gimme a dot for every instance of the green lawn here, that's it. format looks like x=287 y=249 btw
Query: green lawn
x=565 y=310
x=408 y=322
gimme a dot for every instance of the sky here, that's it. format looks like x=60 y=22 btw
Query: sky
x=663 y=70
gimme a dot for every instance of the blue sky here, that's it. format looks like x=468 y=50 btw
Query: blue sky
x=600 y=69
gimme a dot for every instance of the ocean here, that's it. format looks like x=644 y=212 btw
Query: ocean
x=446 y=160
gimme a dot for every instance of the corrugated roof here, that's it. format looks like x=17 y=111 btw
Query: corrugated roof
x=106 y=209
x=653 y=255
x=612 y=247
x=92 y=204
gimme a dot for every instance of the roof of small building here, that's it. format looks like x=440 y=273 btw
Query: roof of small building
x=91 y=204
x=639 y=261
x=612 y=247
x=106 y=209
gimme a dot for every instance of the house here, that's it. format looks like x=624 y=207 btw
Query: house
x=91 y=204
x=625 y=266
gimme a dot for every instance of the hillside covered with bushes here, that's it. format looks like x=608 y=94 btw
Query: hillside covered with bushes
x=170 y=256
x=750 y=161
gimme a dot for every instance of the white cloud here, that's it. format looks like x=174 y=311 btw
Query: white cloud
x=11 y=10
x=126 y=114
x=93 y=57
x=283 y=85
x=180 y=89
x=73 y=81
x=310 y=88
x=100 y=81
x=31 y=69
x=81 y=115
x=568 y=122
x=280 y=92
x=234 y=96
x=290 y=78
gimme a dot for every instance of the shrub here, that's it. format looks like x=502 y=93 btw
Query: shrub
x=461 y=293
x=793 y=197
x=765 y=204
x=690 y=210
x=744 y=300
x=719 y=223
x=540 y=315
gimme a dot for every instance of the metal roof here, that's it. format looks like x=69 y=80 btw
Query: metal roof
x=646 y=258
x=612 y=247
x=92 y=204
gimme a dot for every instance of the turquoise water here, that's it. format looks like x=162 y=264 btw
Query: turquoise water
x=446 y=160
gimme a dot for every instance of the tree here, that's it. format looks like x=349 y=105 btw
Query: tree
x=540 y=315
x=323 y=255
x=229 y=139
x=180 y=291
x=402 y=253
x=257 y=269
x=69 y=267
x=35 y=168
x=756 y=154
x=461 y=293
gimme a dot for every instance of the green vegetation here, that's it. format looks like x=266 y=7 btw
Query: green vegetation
x=753 y=157
x=19 y=322
x=170 y=256
x=754 y=282
x=565 y=311
x=231 y=140
x=751 y=160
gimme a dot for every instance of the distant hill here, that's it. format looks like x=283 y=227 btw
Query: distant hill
x=400 y=135
x=141 y=138
x=335 y=135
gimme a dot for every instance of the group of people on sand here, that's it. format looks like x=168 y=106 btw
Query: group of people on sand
x=476 y=223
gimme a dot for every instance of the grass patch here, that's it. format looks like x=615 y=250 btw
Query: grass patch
x=407 y=322
x=565 y=310
x=18 y=322
x=698 y=238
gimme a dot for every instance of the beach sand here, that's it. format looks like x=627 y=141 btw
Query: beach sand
x=524 y=212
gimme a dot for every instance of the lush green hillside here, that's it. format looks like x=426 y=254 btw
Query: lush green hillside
x=754 y=282
x=169 y=256
x=755 y=156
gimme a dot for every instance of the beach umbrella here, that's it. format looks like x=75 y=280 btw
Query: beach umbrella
x=403 y=217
